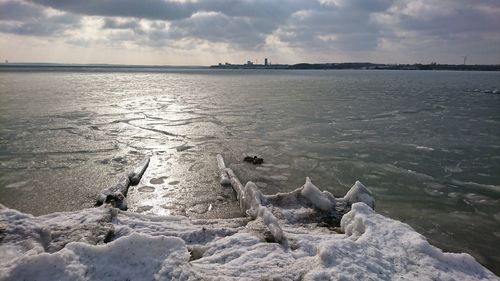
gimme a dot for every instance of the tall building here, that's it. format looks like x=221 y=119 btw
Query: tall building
x=265 y=62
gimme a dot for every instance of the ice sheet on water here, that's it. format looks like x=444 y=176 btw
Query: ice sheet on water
x=178 y=248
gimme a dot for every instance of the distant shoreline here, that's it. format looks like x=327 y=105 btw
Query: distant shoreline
x=299 y=66
x=364 y=66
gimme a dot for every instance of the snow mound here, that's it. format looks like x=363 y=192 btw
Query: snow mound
x=156 y=257
x=144 y=247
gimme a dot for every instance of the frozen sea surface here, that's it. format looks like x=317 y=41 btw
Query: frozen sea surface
x=425 y=143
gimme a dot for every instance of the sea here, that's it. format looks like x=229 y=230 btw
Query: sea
x=426 y=143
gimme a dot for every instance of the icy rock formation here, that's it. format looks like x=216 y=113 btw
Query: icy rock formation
x=321 y=200
x=305 y=202
x=144 y=247
x=251 y=202
x=116 y=194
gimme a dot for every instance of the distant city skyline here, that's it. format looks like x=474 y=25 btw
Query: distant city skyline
x=203 y=32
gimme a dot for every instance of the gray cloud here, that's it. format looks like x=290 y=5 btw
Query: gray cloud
x=244 y=24
x=18 y=11
x=345 y=27
x=462 y=20
x=42 y=26
x=29 y=19
x=114 y=24
x=175 y=10
x=322 y=26
x=246 y=33
x=149 y=9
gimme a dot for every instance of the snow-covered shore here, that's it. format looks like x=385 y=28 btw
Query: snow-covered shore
x=108 y=244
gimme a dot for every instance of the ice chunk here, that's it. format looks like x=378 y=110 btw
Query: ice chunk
x=251 y=203
x=224 y=177
x=353 y=225
x=359 y=193
x=424 y=148
x=235 y=183
x=272 y=224
x=135 y=174
x=322 y=200
x=116 y=194
x=251 y=199
x=220 y=162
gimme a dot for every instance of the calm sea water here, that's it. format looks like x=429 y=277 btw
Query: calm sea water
x=426 y=143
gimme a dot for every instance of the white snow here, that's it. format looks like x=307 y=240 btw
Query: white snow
x=323 y=200
x=359 y=193
x=281 y=239
x=147 y=247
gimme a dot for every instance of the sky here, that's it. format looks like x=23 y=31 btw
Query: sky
x=204 y=32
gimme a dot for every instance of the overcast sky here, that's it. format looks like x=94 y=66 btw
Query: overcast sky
x=206 y=32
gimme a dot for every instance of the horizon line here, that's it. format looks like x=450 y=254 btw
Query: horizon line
x=6 y=63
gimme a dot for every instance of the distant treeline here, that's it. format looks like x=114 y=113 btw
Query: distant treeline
x=365 y=65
